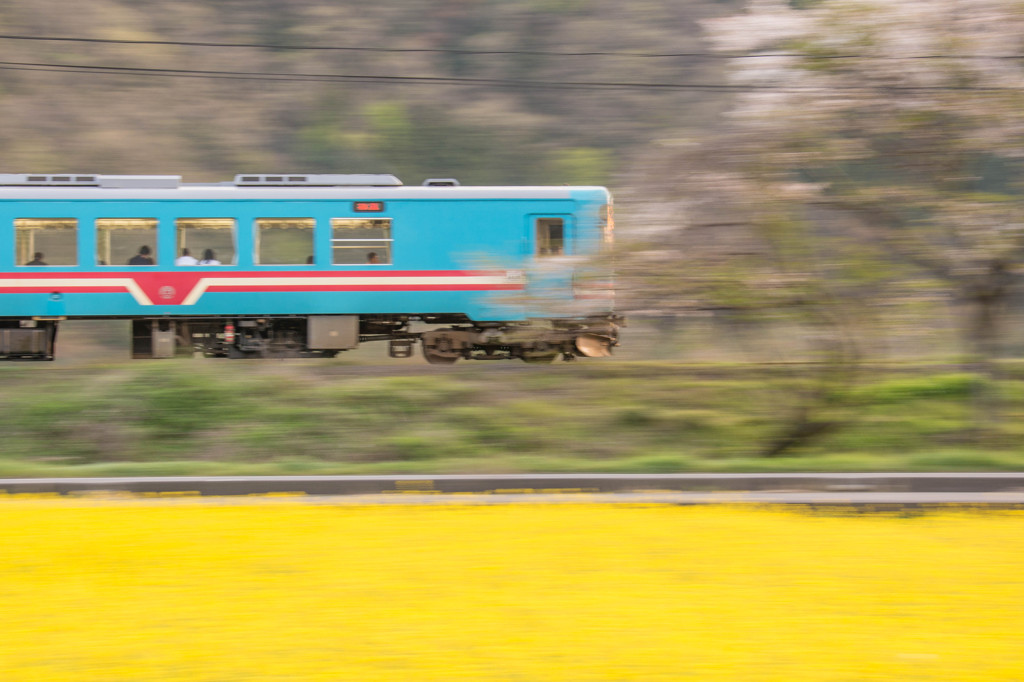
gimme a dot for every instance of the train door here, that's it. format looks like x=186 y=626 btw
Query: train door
x=550 y=273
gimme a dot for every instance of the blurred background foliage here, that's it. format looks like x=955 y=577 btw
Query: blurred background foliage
x=490 y=104
x=818 y=188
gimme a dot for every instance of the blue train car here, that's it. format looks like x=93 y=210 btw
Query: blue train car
x=306 y=265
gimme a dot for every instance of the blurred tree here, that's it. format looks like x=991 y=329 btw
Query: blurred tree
x=902 y=119
x=708 y=240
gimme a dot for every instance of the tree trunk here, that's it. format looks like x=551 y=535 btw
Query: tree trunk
x=983 y=339
x=817 y=416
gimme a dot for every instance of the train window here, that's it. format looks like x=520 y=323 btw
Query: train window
x=284 y=241
x=199 y=235
x=126 y=241
x=361 y=241
x=46 y=241
x=550 y=236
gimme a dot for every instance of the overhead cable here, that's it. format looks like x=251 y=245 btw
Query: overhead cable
x=536 y=53
x=443 y=80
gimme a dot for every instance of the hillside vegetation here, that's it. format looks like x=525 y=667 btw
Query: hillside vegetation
x=68 y=104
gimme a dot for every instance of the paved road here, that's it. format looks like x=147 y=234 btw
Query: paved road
x=860 y=489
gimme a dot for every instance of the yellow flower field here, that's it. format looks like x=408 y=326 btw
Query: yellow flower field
x=288 y=589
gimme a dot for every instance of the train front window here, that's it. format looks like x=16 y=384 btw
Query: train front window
x=284 y=241
x=550 y=236
x=46 y=241
x=126 y=241
x=361 y=241
x=202 y=237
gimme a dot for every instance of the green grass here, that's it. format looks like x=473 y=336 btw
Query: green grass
x=203 y=417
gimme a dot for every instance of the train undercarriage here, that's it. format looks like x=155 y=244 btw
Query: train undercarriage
x=443 y=338
x=32 y=339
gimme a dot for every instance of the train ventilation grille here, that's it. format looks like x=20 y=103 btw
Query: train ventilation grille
x=76 y=180
x=318 y=180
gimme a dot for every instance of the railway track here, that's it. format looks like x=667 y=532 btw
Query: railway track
x=883 y=490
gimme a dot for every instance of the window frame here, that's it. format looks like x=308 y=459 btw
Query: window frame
x=154 y=245
x=546 y=222
x=179 y=244
x=22 y=260
x=257 y=241
x=372 y=244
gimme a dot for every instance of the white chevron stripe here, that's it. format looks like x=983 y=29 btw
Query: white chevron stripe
x=234 y=282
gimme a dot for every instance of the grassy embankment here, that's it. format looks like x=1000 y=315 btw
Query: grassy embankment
x=181 y=417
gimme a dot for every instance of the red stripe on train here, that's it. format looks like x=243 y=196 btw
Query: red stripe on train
x=361 y=287
x=198 y=272
x=119 y=289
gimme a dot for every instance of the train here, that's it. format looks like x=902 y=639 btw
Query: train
x=308 y=265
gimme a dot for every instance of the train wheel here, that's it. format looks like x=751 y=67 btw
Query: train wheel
x=435 y=359
x=439 y=359
x=440 y=348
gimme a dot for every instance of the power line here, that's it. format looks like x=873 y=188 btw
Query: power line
x=334 y=77
x=265 y=46
x=316 y=77
x=445 y=80
x=535 y=53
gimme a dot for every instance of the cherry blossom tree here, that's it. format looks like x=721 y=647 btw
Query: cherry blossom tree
x=905 y=118
x=867 y=140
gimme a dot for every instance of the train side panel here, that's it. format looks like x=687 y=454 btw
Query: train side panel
x=448 y=256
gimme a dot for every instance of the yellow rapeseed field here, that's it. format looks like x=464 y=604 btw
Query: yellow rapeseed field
x=290 y=589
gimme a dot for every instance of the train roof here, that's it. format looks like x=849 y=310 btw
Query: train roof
x=289 y=187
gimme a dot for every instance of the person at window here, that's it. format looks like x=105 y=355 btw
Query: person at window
x=309 y=261
x=142 y=257
x=372 y=258
x=186 y=258
x=209 y=258
x=37 y=260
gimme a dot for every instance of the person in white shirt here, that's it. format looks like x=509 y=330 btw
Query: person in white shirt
x=186 y=259
x=209 y=258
